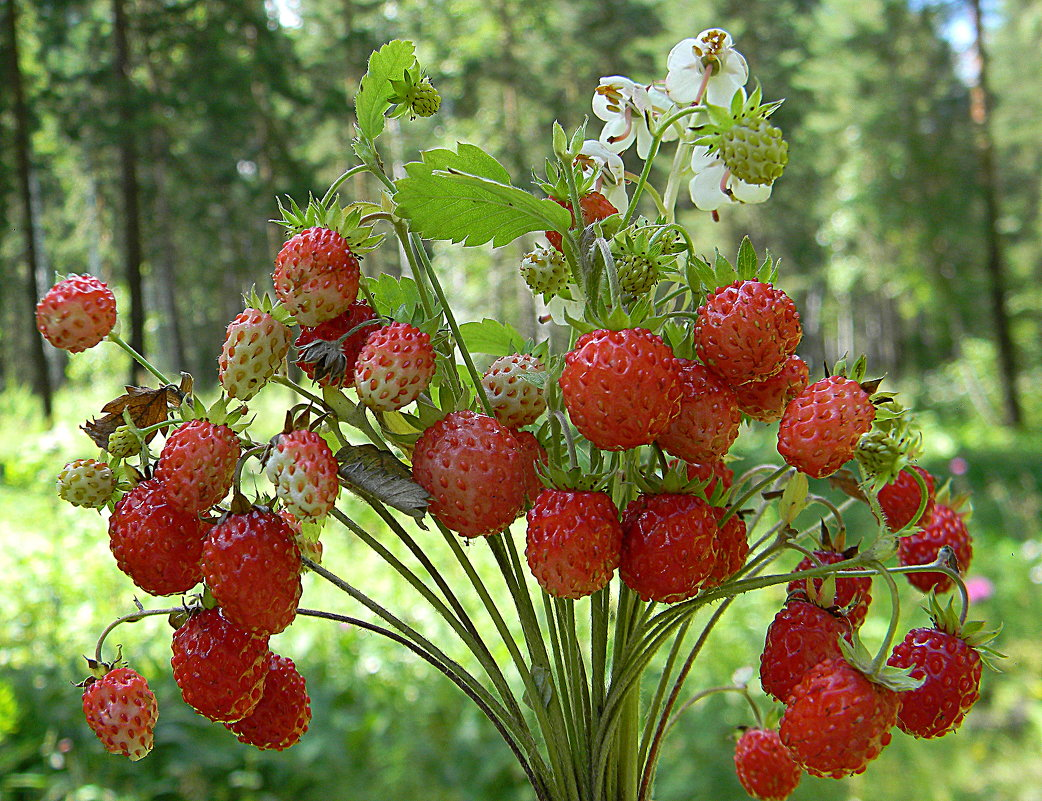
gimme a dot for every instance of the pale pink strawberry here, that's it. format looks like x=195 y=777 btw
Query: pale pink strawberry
x=396 y=364
x=316 y=276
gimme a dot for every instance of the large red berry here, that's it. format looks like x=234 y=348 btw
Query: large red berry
x=197 y=464
x=708 y=420
x=900 y=498
x=316 y=276
x=714 y=471
x=765 y=767
x=595 y=207
x=516 y=401
x=76 y=313
x=853 y=593
x=121 y=709
x=155 y=543
x=621 y=388
x=255 y=347
x=732 y=548
x=304 y=471
x=251 y=564
x=472 y=468
x=944 y=527
x=837 y=720
x=951 y=673
x=284 y=712
x=801 y=635
x=394 y=366
x=219 y=667
x=574 y=541
x=668 y=546
x=329 y=351
x=746 y=331
x=821 y=426
x=766 y=400
x=532 y=453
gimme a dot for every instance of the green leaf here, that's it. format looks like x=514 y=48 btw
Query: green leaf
x=492 y=337
x=747 y=262
x=391 y=294
x=373 y=99
x=465 y=196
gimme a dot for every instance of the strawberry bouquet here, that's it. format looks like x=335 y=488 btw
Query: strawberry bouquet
x=596 y=475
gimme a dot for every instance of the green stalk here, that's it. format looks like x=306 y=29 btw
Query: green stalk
x=114 y=337
x=895 y=616
x=401 y=230
x=660 y=691
x=734 y=506
x=328 y=196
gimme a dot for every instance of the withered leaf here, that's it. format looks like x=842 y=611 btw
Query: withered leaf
x=146 y=406
x=844 y=480
x=376 y=474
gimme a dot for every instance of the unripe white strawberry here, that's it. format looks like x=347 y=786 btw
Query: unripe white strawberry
x=395 y=366
x=545 y=270
x=515 y=400
x=86 y=482
x=255 y=346
x=304 y=471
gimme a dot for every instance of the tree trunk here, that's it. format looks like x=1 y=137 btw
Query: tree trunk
x=41 y=377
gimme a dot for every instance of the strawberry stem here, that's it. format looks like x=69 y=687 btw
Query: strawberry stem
x=133 y=617
x=656 y=141
x=895 y=616
x=114 y=337
x=328 y=196
x=734 y=506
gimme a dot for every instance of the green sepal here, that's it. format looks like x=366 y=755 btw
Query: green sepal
x=577 y=479
x=702 y=275
x=893 y=678
x=265 y=303
x=975 y=633
x=346 y=221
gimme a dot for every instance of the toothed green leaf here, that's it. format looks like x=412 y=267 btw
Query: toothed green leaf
x=387 y=64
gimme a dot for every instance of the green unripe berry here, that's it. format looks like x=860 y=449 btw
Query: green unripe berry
x=754 y=151
x=545 y=271
x=123 y=443
x=423 y=99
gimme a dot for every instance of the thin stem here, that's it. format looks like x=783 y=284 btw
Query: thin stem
x=734 y=506
x=656 y=142
x=289 y=382
x=114 y=337
x=328 y=196
x=895 y=616
x=660 y=691
x=405 y=239
x=133 y=617
x=727 y=688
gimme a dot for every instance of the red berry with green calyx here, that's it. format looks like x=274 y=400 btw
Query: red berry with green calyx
x=121 y=709
x=328 y=352
x=765 y=767
x=708 y=420
x=766 y=400
x=282 y=715
x=822 y=425
x=945 y=526
x=852 y=594
x=394 y=366
x=197 y=464
x=574 y=541
x=595 y=207
x=316 y=276
x=900 y=498
x=76 y=313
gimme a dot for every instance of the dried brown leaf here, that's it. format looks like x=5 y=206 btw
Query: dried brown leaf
x=146 y=406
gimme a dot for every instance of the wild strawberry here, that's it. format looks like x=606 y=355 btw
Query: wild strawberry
x=708 y=420
x=532 y=453
x=309 y=548
x=219 y=667
x=801 y=635
x=754 y=150
x=255 y=346
x=732 y=548
x=765 y=767
x=594 y=205
x=197 y=464
x=154 y=542
x=123 y=443
x=545 y=270
x=395 y=365
x=86 y=482
x=304 y=471
x=574 y=541
x=329 y=351
x=766 y=400
x=472 y=468
x=515 y=400
x=668 y=546
x=714 y=471
x=838 y=720
x=316 y=276
x=76 y=313
x=944 y=527
x=121 y=709
x=746 y=331
x=951 y=672
x=852 y=596
x=900 y=498
x=821 y=426
x=423 y=99
x=621 y=388
x=251 y=564
x=283 y=714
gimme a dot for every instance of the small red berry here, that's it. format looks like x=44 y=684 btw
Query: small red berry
x=708 y=420
x=901 y=497
x=121 y=709
x=766 y=400
x=197 y=464
x=328 y=352
x=595 y=207
x=944 y=527
x=821 y=426
x=316 y=276
x=283 y=714
x=853 y=593
x=765 y=767
x=77 y=313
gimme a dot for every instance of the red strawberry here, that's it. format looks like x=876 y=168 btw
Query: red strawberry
x=837 y=720
x=394 y=366
x=251 y=564
x=197 y=464
x=708 y=420
x=746 y=331
x=121 y=709
x=304 y=471
x=766 y=400
x=900 y=498
x=316 y=276
x=801 y=635
x=574 y=540
x=284 y=712
x=255 y=347
x=732 y=548
x=155 y=543
x=668 y=546
x=714 y=471
x=473 y=470
x=219 y=667
x=853 y=593
x=328 y=351
x=951 y=670
x=532 y=453
x=595 y=207
x=821 y=426
x=515 y=401
x=944 y=527
x=621 y=388
x=765 y=767
x=76 y=313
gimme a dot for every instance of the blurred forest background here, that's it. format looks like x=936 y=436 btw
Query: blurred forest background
x=145 y=141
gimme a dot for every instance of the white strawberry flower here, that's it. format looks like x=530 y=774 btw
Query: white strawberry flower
x=713 y=185
x=628 y=109
x=705 y=69
x=607 y=170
